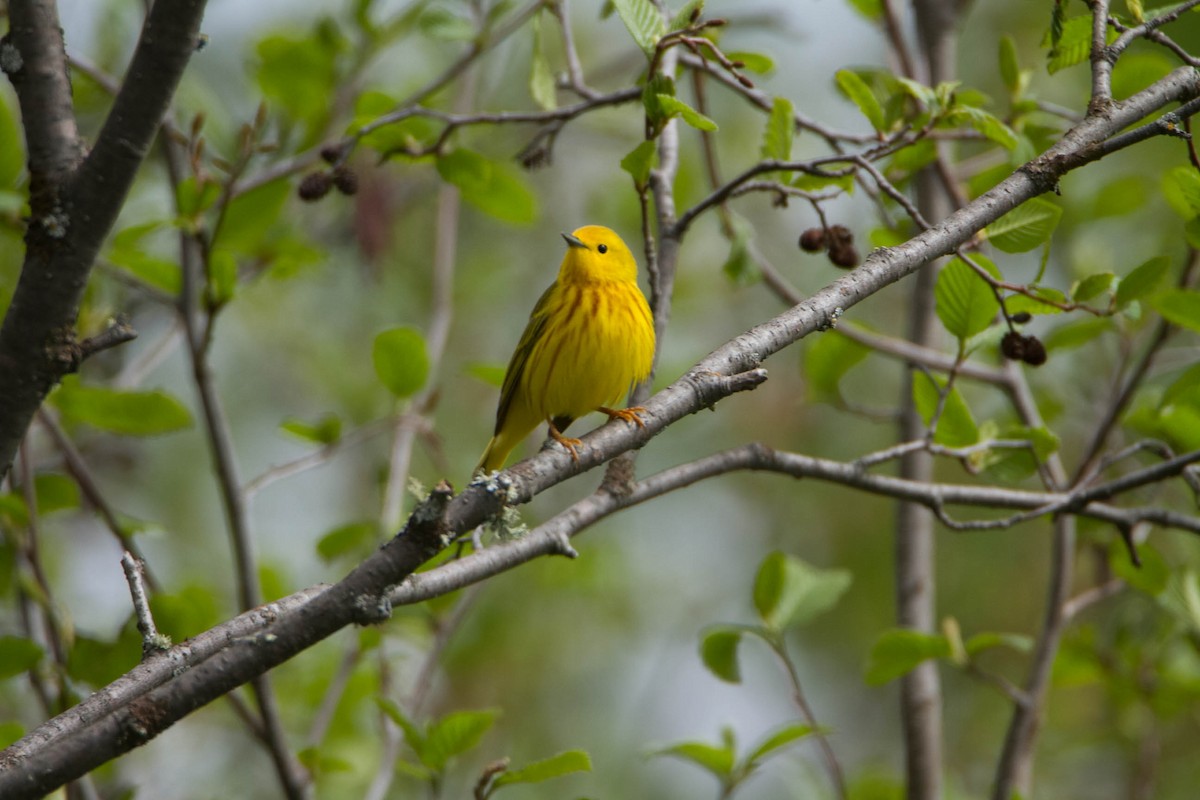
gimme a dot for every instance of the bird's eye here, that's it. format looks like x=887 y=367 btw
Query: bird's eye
x=603 y=248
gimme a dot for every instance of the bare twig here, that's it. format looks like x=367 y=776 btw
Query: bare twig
x=152 y=641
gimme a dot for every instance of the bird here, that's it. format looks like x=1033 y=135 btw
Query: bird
x=589 y=339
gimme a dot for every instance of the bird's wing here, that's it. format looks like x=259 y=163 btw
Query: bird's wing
x=520 y=357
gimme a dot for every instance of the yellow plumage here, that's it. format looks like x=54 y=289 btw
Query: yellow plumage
x=589 y=339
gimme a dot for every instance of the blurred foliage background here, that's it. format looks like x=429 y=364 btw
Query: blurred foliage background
x=598 y=654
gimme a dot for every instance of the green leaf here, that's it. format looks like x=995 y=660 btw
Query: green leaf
x=400 y=360
x=1025 y=227
x=643 y=22
x=193 y=197
x=250 y=216
x=1010 y=70
x=898 y=651
x=639 y=161
x=672 y=105
x=717 y=760
x=1151 y=578
x=1135 y=10
x=988 y=640
x=222 y=277
x=352 y=539
x=443 y=24
x=1074 y=45
x=97 y=662
x=298 y=75
x=326 y=430
x=683 y=18
x=1182 y=386
x=789 y=592
x=870 y=9
x=553 y=767
x=1179 y=307
x=1040 y=303
x=1181 y=187
x=17 y=655
x=491 y=374
x=719 y=651
x=964 y=301
x=186 y=612
x=1182 y=598
x=1143 y=280
x=1092 y=286
x=857 y=90
x=455 y=734
x=491 y=187
x=985 y=123
x=755 y=62
x=541 y=76
x=1078 y=333
x=956 y=427
x=827 y=360
x=780 y=738
x=780 y=130
x=55 y=493
x=126 y=413
x=127 y=254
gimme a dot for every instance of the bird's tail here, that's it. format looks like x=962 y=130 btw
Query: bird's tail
x=493 y=457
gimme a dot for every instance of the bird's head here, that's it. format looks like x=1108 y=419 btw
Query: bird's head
x=596 y=253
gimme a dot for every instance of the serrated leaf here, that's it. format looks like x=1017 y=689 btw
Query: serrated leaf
x=719 y=651
x=17 y=655
x=672 y=105
x=541 y=77
x=964 y=301
x=352 y=539
x=1074 y=44
x=1143 y=280
x=643 y=22
x=956 y=426
x=1179 y=307
x=1010 y=70
x=789 y=592
x=780 y=131
x=640 y=160
x=827 y=360
x=326 y=430
x=1092 y=286
x=859 y=93
x=553 y=767
x=755 y=62
x=898 y=651
x=779 y=739
x=1025 y=227
x=126 y=413
x=985 y=123
x=455 y=734
x=988 y=640
x=400 y=360
x=717 y=760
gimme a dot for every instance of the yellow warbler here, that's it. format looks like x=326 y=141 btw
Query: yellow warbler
x=589 y=339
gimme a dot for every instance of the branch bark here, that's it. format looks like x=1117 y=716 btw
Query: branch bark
x=74 y=204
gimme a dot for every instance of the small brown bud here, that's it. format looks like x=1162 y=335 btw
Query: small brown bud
x=843 y=255
x=345 y=180
x=1021 y=317
x=314 y=186
x=737 y=64
x=331 y=153
x=1035 y=351
x=813 y=240
x=1013 y=346
x=840 y=235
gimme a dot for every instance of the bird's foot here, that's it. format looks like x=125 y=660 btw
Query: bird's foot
x=632 y=414
x=570 y=443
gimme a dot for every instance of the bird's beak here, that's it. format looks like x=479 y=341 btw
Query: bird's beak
x=573 y=242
